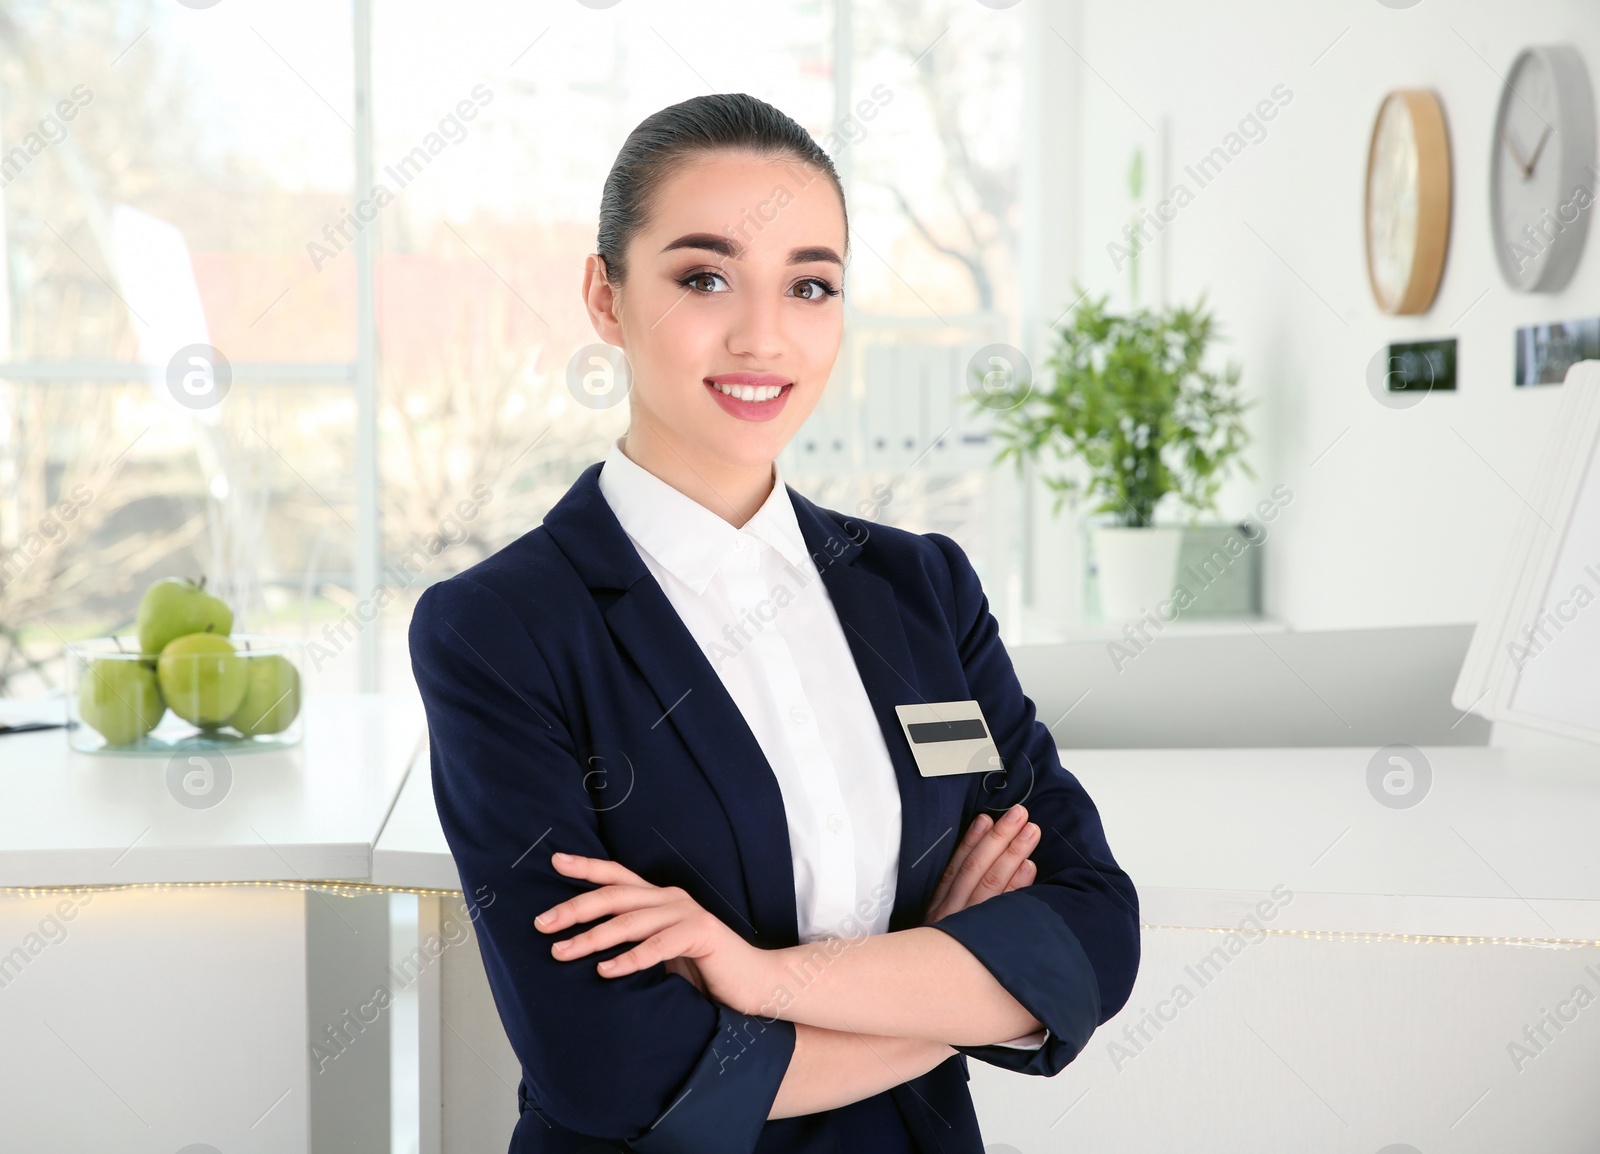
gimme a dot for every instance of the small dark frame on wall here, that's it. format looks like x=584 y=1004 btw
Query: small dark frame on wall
x=1422 y=366
x=1546 y=352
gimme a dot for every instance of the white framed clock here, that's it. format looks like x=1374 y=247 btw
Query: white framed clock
x=1541 y=175
x=1408 y=200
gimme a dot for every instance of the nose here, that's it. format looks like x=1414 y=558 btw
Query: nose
x=757 y=328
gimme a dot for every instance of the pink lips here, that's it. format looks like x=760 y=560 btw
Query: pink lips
x=750 y=410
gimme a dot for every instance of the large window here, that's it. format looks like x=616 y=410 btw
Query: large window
x=927 y=138
x=160 y=170
x=180 y=181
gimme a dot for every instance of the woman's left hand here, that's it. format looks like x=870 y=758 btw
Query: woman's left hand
x=667 y=923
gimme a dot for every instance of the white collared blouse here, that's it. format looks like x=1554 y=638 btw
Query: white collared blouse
x=754 y=602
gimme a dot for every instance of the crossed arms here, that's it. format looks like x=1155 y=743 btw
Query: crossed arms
x=869 y=1012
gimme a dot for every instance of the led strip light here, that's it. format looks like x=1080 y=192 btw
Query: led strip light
x=359 y=889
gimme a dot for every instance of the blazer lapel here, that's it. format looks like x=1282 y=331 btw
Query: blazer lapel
x=693 y=702
x=696 y=704
x=870 y=616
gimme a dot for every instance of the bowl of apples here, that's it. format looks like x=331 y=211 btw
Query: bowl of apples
x=184 y=681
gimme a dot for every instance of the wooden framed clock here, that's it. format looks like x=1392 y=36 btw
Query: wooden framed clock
x=1408 y=201
x=1541 y=175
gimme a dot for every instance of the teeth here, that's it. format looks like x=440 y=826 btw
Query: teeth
x=748 y=392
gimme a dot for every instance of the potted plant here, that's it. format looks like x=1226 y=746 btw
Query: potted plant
x=1131 y=397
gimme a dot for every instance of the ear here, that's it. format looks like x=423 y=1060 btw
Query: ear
x=600 y=297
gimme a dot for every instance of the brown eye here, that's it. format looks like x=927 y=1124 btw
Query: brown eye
x=817 y=289
x=701 y=282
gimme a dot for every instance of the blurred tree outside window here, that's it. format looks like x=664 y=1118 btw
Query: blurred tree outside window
x=230 y=130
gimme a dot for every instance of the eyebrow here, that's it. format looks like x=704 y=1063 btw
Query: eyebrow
x=721 y=245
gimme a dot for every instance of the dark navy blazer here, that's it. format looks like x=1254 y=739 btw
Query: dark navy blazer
x=570 y=709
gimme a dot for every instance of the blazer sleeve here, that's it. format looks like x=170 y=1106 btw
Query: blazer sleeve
x=1066 y=946
x=644 y=1058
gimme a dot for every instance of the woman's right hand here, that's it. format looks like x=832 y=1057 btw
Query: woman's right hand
x=991 y=859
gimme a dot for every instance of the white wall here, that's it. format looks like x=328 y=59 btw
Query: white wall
x=1403 y=520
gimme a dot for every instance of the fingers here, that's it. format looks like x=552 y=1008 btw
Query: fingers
x=989 y=860
x=620 y=896
x=659 y=948
x=999 y=876
x=597 y=869
x=599 y=903
x=1024 y=876
x=663 y=934
x=989 y=866
x=980 y=826
x=634 y=926
x=654 y=916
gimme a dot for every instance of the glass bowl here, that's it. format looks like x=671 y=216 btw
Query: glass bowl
x=236 y=693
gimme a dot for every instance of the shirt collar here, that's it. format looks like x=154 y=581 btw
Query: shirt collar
x=685 y=537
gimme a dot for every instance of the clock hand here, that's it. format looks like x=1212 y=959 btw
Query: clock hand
x=1515 y=152
x=1534 y=159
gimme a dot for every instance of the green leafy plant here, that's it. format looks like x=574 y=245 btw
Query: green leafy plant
x=1130 y=396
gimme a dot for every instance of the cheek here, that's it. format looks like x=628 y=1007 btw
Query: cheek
x=669 y=347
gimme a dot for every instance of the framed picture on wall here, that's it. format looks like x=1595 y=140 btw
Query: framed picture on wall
x=1546 y=352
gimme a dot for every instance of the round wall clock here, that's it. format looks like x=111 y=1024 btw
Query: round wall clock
x=1541 y=177
x=1408 y=201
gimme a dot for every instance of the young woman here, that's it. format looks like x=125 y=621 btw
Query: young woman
x=732 y=909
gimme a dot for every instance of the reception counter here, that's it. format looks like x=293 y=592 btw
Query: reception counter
x=188 y=951
x=1345 y=948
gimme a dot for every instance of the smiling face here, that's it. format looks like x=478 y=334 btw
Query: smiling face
x=731 y=314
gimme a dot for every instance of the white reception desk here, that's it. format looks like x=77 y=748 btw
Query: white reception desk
x=1323 y=969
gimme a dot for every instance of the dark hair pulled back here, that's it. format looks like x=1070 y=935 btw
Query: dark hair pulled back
x=728 y=121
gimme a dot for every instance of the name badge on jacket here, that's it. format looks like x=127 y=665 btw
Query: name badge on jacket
x=948 y=737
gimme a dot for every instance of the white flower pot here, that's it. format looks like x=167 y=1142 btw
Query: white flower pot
x=1137 y=568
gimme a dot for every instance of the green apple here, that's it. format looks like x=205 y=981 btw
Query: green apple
x=175 y=607
x=120 y=699
x=201 y=677
x=272 y=698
